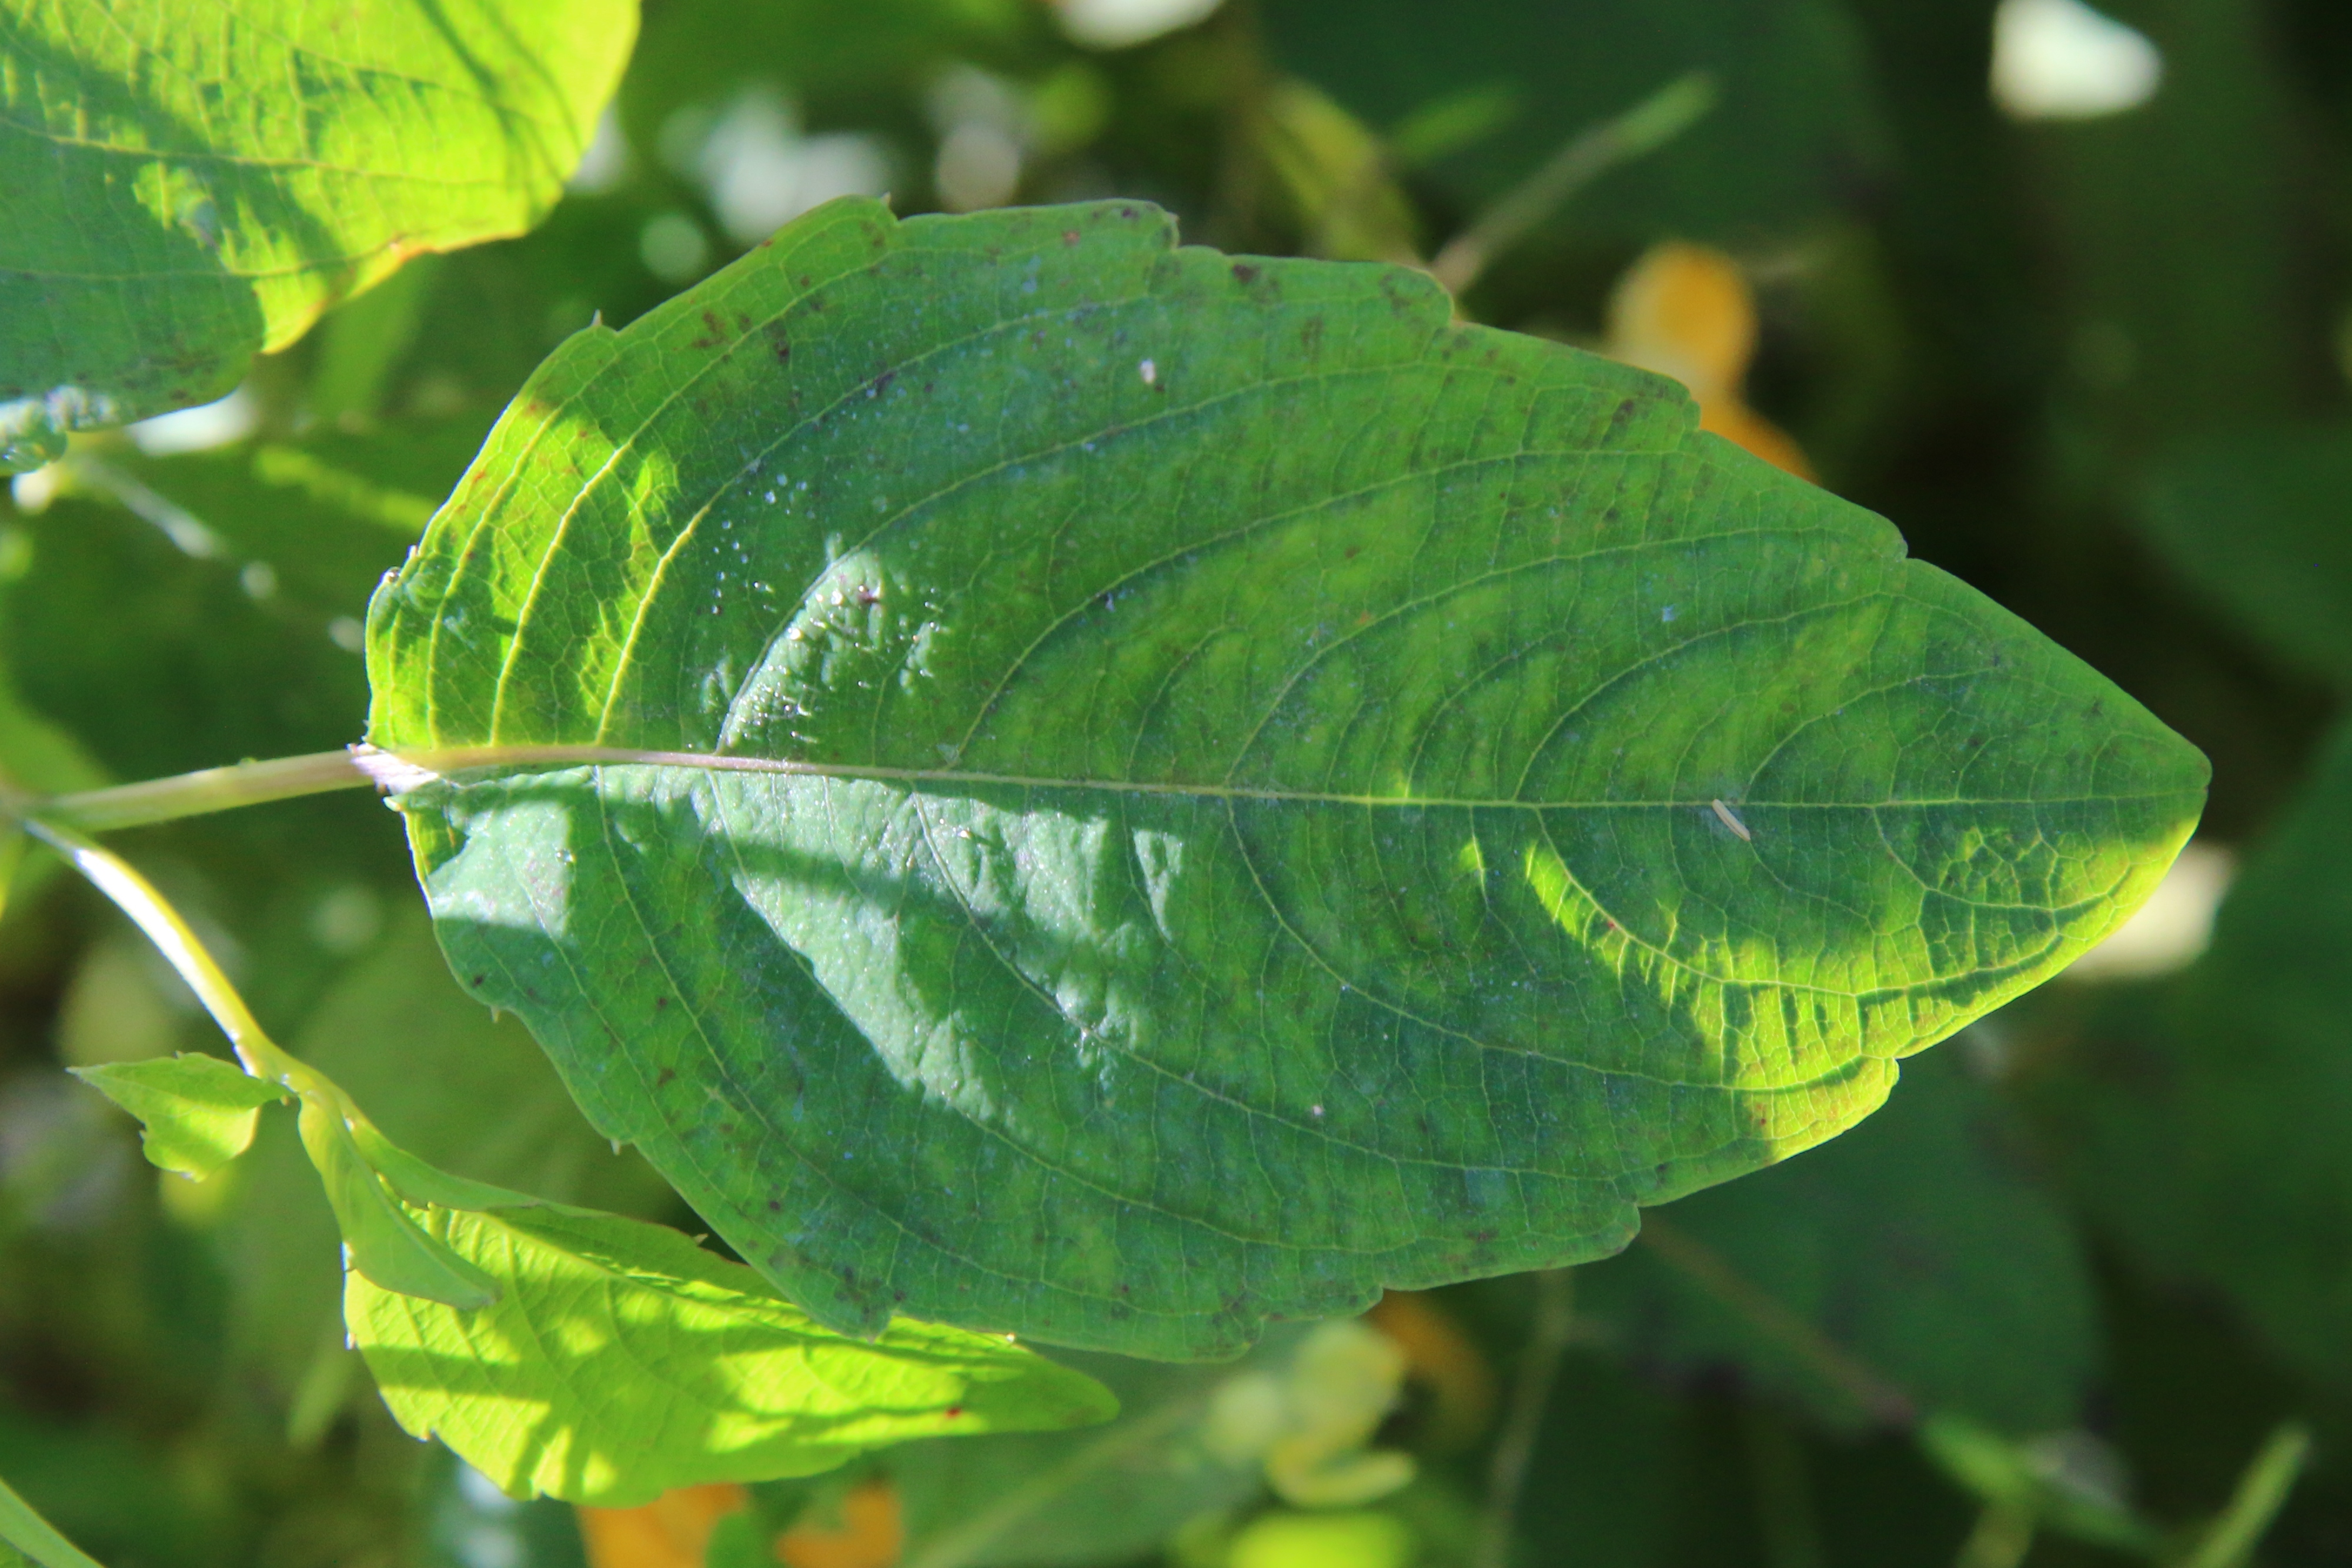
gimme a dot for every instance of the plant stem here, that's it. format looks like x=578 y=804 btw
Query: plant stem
x=154 y=914
x=1784 y=1497
x=1507 y=1476
x=2262 y=1492
x=2003 y=1535
x=1702 y=1265
x=1647 y=126
x=199 y=793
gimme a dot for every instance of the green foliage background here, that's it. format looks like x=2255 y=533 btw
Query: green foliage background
x=2094 y=370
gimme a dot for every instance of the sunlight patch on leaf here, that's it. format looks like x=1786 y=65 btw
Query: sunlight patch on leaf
x=622 y=1361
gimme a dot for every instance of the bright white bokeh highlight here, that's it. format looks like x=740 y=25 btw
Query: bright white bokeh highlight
x=2059 y=59
x=760 y=170
x=199 y=429
x=1123 y=24
x=2172 y=927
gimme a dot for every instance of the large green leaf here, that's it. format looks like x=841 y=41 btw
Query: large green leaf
x=1919 y=1245
x=187 y=187
x=621 y=1361
x=1218 y=808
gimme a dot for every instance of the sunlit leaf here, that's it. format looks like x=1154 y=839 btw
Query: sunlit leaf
x=1240 y=789
x=622 y=1361
x=180 y=197
x=451 y=1085
x=385 y=1245
x=197 y=1113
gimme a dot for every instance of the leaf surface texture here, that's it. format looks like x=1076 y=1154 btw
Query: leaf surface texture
x=1200 y=786
x=622 y=1361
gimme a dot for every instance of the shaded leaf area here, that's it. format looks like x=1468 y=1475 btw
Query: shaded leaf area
x=1630 y=1474
x=2204 y=1116
x=1237 y=871
x=1503 y=84
x=679 y=1368
x=197 y=1113
x=1920 y=1243
x=621 y=1361
x=2256 y=523
x=180 y=198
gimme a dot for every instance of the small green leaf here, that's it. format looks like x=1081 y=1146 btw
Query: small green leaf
x=26 y=1533
x=183 y=195
x=385 y=1245
x=1166 y=790
x=197 y=1113
x=622 y=1360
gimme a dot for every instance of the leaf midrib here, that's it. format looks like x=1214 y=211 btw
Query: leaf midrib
x=449 y=762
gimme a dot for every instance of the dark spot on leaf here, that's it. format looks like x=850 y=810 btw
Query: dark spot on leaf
x=1244 y=272
x=775 y=1206
x=665 y=1078
x=478 y=979
x=1069 y=236
x=952 y=1410
x=660 y=1002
